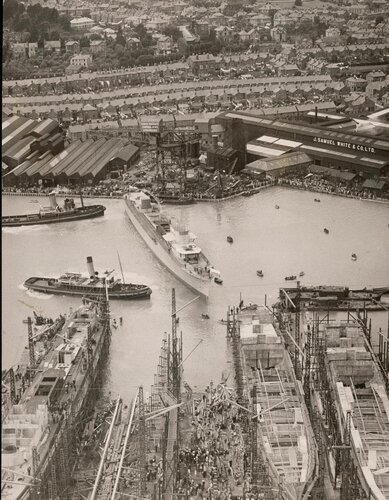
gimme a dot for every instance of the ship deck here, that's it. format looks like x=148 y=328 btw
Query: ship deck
x=284 y=428
x=28 y=415
x=361 y=395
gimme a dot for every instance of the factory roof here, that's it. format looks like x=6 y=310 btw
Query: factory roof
x=127 y=152
x=373 y=184
x=312 y=131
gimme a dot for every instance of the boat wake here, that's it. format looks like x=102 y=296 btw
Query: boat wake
x=38 y=295
x=22 y=229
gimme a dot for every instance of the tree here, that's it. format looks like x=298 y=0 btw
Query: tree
x=120 y=40
x=84 y=42
x=172 y=31
x=298 y=3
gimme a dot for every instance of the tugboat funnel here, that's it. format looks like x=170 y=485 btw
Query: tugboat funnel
x=53 y=201
x=91 y=269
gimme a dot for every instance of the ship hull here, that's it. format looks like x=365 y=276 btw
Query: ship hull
x=80 y=213
x=66 y=427
x=42 y=285
x=157 y=245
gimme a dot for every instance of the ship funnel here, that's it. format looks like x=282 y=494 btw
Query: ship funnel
x=91 y=269
x=53 y=201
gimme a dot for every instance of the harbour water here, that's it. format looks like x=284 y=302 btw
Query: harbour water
x=280 y=242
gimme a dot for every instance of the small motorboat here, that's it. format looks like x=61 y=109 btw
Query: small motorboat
x=229 y=239
x=218 y=280
x=290 y=278
x=205 y=316
x=317 y=200
x=260 y=273
x=326 y=230
x=114 y=324
x=354 y=256
x=302 y=274
x=277 y=207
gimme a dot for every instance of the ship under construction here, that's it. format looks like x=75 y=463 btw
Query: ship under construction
x=301 y=412
x=48 y=399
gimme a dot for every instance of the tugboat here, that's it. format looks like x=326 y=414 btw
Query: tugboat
x=229 y=239
x=91 y=286
x=353 y=256
x=260 y=273
x=326 y=230
x=54 y=213
x=290 y=278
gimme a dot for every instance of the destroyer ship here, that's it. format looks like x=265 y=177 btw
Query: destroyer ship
x=285 y=440
x=54 y=213
x=172 y=243
x=91 y=285
x=49 y=399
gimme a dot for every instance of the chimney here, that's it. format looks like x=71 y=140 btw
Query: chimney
x=91 y=269
x=315 y=113
x=53 y=201
x=214 y=141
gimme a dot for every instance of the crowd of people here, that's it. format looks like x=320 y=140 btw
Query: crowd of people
x=233 y=186
x=325 y=184
x=213 y=464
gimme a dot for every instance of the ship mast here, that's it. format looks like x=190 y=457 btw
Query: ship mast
x=121 y=268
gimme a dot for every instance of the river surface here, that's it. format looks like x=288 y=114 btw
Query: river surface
x=280 y=242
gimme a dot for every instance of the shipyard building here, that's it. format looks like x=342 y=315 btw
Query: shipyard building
x=36 y=152
x=275 y=146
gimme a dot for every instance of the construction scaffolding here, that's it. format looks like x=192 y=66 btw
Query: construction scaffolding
x=52 y=476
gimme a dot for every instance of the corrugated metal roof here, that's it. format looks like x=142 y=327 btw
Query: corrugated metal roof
x=6 y=123
x=44 y=127
x=59 y=161
x=256 y=149
x=17 y=134
x=14 y=150
x=373 y=184
x=47 y=169
x=286 y=160
x=127 y=152
x=310 y=130
x=87 y=150
x=37 y=166
x=104 y=159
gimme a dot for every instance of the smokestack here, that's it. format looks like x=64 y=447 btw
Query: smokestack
x=315 y=113
x=53 y=201
x=214 y=141
x=91 y=269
